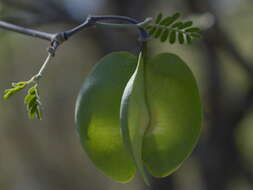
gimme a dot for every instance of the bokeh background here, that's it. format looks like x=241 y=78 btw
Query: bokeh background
x=46 y=154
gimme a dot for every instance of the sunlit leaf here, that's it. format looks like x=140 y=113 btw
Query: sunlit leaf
x=165 y=35
x=181 y=38
x=173 y=37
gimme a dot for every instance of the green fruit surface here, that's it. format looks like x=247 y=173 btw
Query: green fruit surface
x=157 y=105
x=97 y=115
x=134 y=116
x=175 y=114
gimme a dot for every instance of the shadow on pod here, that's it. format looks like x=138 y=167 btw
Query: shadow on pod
x=156 y=103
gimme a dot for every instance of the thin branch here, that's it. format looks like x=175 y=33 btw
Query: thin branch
x=89 y=22
x=92 y=20
x=27 y=31
x=57 y=39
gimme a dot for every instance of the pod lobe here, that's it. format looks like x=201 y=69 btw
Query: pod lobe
x=97 y=115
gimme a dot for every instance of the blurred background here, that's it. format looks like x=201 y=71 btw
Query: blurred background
x=46 y=154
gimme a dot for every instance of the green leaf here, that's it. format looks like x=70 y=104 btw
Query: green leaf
x=33 y=110
x=159 y=18
x=196 y=35
x=28 y=98
x=181 y=37
x=189 y=39
x=187 y=24
x=152 y=30
x=31 y=99
x=173 y=37
x=8 y=93
x=158 y=33
x=33 y=103
x=39 y=114
x=177 y=25
x=97 y=115
x=194 y=29
x=148 y=27
x=166 y=21
x=174 y=17
x=31 y=115
x=32 y=90
x=170 y=19
x=170 y=23
x=165 y=35
x=134 y=116
x=16 y=87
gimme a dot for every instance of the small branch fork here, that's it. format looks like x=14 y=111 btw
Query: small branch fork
x=57 y=39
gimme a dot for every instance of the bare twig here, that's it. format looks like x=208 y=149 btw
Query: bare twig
x=59 y=38
x=92 y=20
x=27 y=31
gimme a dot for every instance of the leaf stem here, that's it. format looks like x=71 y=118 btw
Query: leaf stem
x=39 y=74
x=139 y=25
x=169 y=28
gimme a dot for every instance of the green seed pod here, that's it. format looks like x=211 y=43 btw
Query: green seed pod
x=170 y=98
x=154 y=102
x=97 y=115
x=134 y=116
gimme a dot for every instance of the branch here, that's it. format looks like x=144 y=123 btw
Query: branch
x=93 y=20
x=27 y=31
x=56 y=40
x=89 y=22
